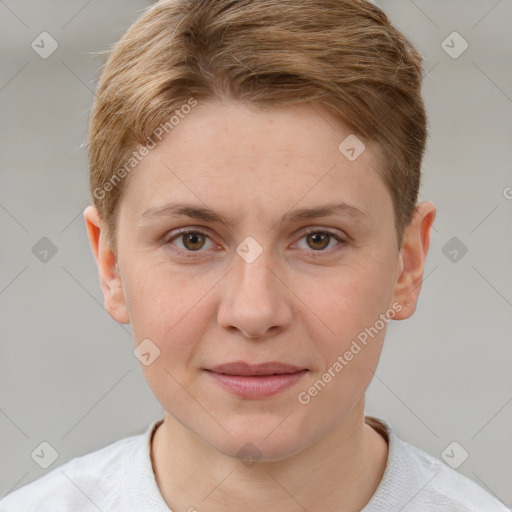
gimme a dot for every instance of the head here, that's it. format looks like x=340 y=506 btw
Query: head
x=238 y=115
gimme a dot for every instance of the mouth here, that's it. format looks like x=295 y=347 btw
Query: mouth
x=256 y=381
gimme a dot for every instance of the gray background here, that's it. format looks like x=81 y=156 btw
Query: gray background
x=67 y=372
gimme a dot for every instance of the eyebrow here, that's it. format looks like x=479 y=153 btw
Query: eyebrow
x=207 y=215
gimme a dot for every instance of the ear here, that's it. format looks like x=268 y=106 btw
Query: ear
x=110 y=279
x=411 y=260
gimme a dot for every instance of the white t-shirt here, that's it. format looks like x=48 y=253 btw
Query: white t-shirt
x=120 y=478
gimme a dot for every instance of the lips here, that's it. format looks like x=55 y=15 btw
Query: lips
x=244 y=369
x=259 y=381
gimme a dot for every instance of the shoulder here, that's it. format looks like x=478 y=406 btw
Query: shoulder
x=82 y=484
x=419 y=482
x=447 y=489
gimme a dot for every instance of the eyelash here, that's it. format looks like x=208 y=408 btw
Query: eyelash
x=191 y=254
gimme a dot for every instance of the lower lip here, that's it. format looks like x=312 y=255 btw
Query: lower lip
x=257 y=386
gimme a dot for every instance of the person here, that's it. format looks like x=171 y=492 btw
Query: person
x=254 y=175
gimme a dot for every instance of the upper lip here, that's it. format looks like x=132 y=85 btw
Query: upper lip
x=243 y=368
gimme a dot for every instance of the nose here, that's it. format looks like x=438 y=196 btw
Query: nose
x=255 y=302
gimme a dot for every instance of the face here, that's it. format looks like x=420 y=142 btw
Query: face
x=257 y=282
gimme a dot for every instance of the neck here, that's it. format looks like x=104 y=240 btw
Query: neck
x=339 y=472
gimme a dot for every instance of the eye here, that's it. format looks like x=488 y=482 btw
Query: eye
x=318 y=239
x=193 y=240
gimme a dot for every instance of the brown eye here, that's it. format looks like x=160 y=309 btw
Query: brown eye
x=318 y=240
x=188 y=241
x=193 y=240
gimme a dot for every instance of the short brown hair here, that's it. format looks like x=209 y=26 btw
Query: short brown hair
x=343 y=55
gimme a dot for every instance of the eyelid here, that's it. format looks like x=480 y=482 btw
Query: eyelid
x=187 y=229
x=314 y=229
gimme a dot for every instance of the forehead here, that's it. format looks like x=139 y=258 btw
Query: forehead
x=230 y=157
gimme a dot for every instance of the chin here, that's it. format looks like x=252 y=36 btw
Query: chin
x=258 y=441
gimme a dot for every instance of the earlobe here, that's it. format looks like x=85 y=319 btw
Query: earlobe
x=411 y=260
x=108 y=270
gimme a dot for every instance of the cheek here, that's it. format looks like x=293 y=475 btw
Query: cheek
x=349 y=362
x=161 y=298
x=350 y=297
x=165 y=307
x=349 y=304
x=171 y=309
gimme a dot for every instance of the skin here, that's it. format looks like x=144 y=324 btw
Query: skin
x=303 y=301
